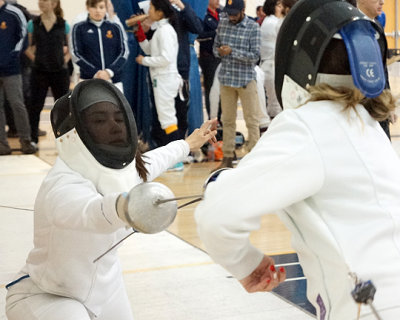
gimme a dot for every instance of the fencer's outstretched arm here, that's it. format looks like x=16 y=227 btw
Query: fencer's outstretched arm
x=205 y=133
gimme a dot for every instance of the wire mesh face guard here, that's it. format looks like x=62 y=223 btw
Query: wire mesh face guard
x=103 y=120
x=305 y=34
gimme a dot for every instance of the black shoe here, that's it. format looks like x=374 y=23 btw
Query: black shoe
x=28 y=147
x=41 y=133
x=262 y=130
x=4 y=149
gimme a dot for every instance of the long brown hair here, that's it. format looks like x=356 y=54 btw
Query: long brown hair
x=335 y=61
x=379 y=108
x=140 y=165
x=58 y=10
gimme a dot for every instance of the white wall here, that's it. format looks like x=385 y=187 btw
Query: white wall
x=251 y=6
x=71 y=7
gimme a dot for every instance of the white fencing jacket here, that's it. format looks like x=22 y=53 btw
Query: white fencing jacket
x=74 y=224
x=162 y=49
x=335 y=179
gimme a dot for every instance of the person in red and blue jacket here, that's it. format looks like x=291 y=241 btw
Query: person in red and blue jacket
x=99 y=45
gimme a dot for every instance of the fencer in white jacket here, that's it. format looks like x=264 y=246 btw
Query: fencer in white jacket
x=327 y=168
x=75 y=215
x=162 y=51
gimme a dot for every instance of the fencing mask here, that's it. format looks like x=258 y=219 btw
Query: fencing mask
x=304 y=37
x=96 y=133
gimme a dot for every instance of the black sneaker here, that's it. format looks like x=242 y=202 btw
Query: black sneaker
x=28 y=147
x=4 y=149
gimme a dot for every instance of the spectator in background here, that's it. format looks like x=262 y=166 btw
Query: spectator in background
x=269 y=32
x=25 y=74
x=260 y=15
x=162 y=53
x=189 y=22
x=12 y=34
x=237 y=43
x=382 y=19
x=287 y=5
x=208 y=62
x=48 y=37
x=98 y=45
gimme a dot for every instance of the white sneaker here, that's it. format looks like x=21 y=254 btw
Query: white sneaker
x=176 y=167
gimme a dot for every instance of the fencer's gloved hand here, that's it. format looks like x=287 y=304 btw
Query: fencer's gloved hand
x=139 y=34
x=147 y=207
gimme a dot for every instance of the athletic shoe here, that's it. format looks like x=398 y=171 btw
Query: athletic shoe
x=176 y=167
x=28 y=147
x=4 y=149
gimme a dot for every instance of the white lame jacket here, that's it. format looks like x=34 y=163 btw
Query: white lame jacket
x=334 y=179
x=74 y=224
x=162 y=49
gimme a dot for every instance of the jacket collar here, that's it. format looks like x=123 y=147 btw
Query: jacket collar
x=159 y=24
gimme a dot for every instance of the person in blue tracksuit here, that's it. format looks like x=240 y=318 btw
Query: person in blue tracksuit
x=98 y=45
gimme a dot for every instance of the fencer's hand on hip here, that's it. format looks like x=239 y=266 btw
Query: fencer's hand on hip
x=205 y=133
x=265 y=277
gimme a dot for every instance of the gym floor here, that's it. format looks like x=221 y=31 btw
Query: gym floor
x=167 y=275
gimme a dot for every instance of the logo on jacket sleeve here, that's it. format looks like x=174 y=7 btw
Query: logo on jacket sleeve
x=109 y=34
x=3 y=25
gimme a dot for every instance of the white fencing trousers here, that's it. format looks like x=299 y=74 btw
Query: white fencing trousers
x=165 y=89
x=26 y=301
x=273 y=106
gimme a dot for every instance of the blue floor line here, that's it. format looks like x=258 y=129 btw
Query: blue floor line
x=293 y=291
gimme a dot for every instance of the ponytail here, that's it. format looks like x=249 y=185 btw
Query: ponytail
x=58 y=11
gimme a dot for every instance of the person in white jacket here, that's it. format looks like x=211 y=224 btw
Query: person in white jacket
x=80 y=210
x=269 y=32
x=325 y=166
x=162 y=54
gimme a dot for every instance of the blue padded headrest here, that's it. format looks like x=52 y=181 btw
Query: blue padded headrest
x=365 y=57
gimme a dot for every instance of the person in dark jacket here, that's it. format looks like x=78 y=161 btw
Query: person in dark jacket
x=12 y=34
x=26 y=68
x=208 y=62
x=99 y=45
x=48 y=49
